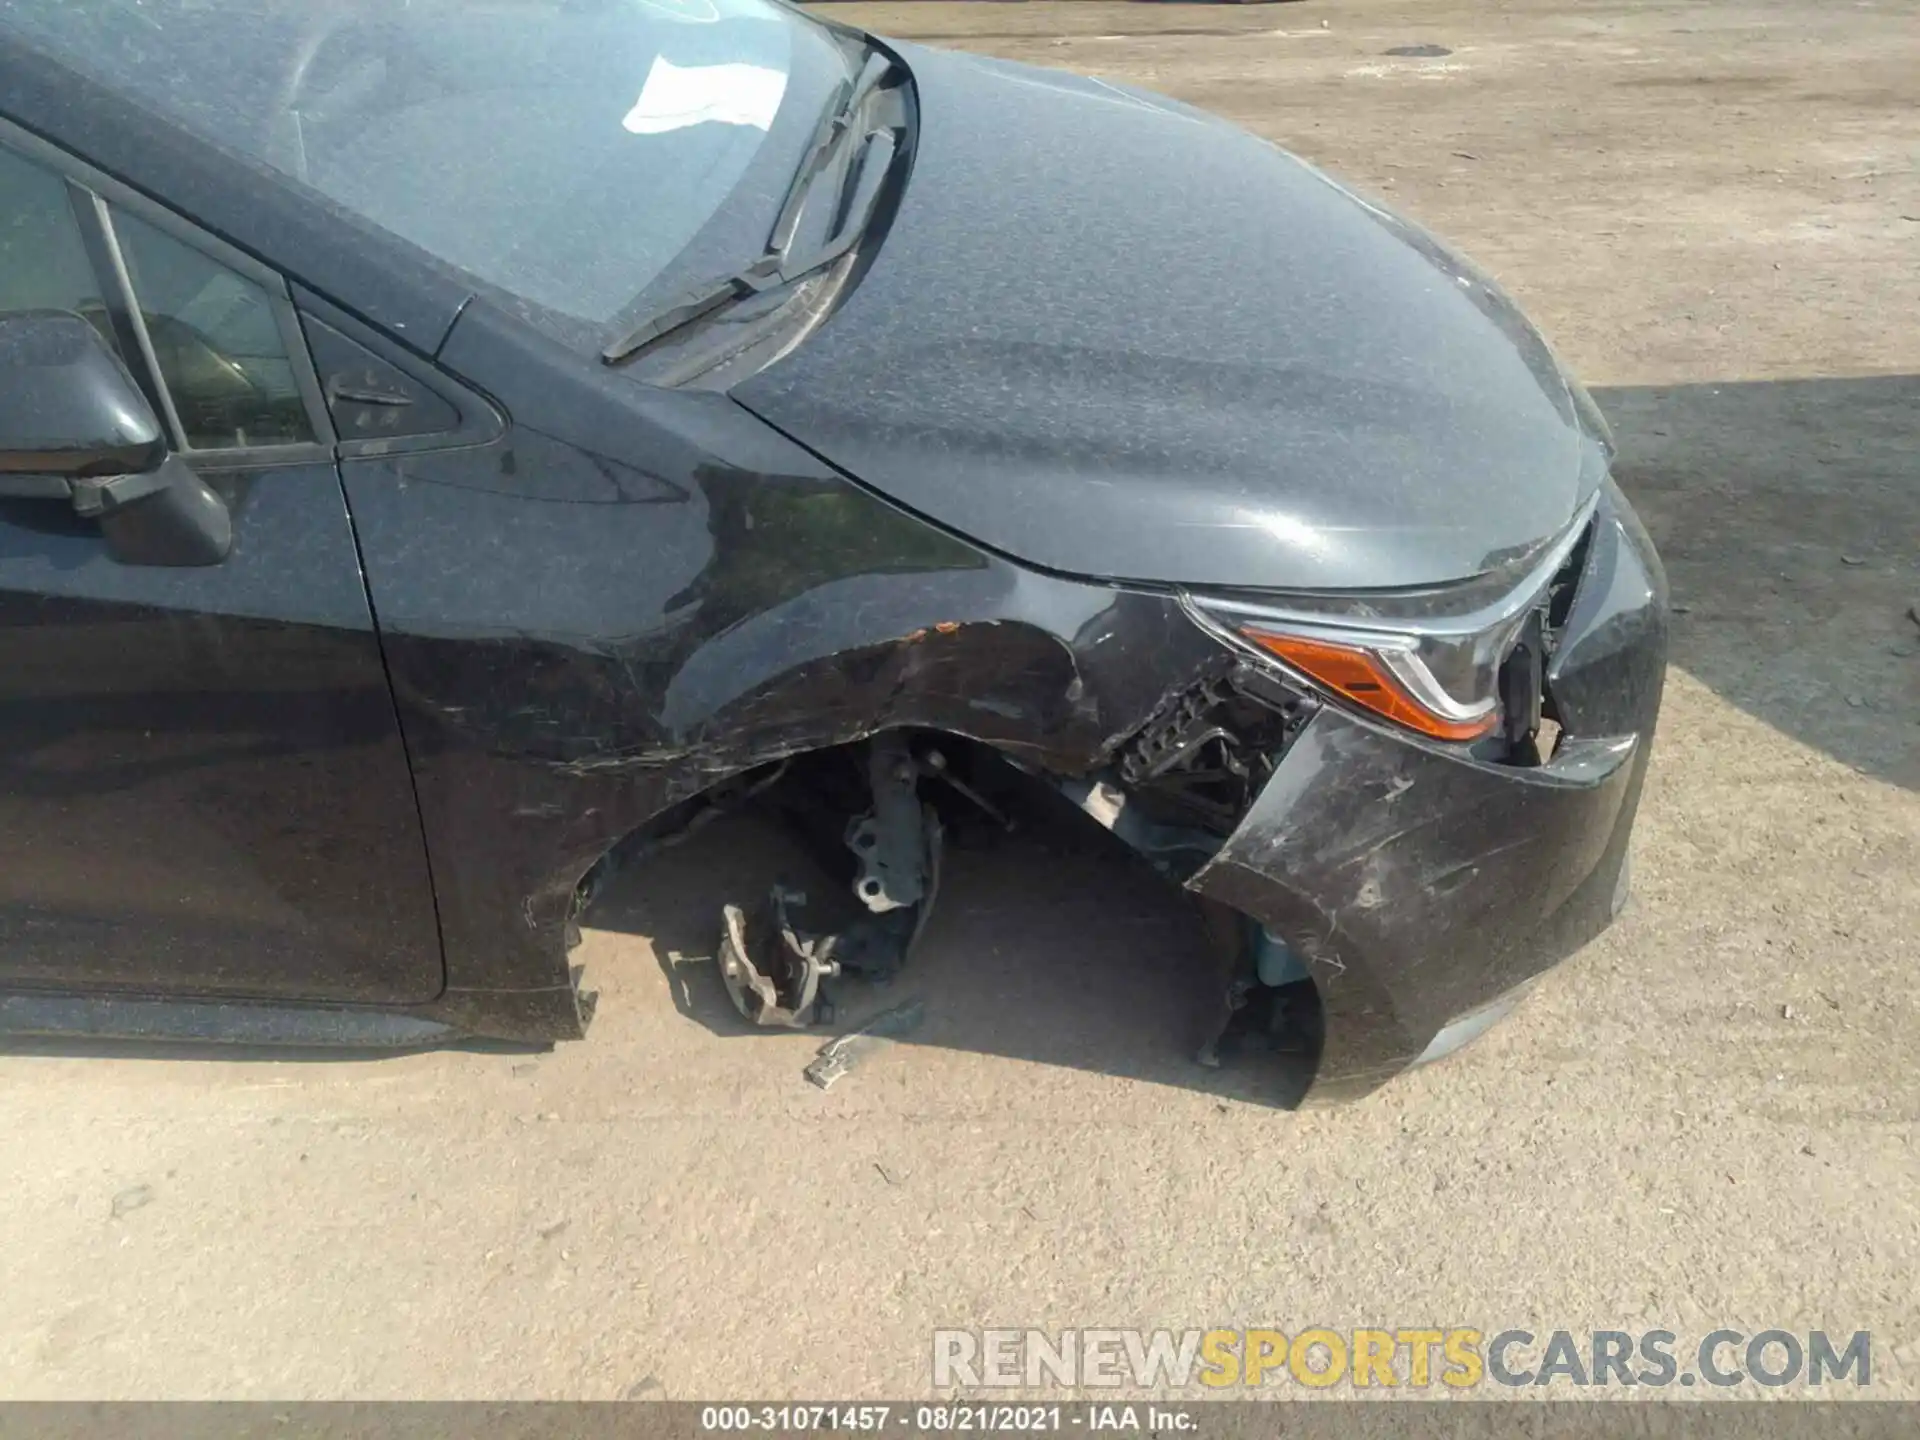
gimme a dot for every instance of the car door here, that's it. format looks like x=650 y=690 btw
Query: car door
x=203 y=787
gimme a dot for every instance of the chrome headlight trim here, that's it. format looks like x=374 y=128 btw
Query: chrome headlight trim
x=1422 y=652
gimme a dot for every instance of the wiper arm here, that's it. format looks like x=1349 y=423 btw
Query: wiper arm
x=869 y=172
x=694 y=305
x=775 y=266
x=876 y=159
x=839 y=119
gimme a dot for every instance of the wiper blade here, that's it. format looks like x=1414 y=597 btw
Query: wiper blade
x=775 y=265
x=832 y=125
x=876 y=159
x=870 y=170
x=694 y=305
x=850 y=97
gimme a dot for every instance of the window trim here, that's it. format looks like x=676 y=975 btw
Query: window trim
x=94 y=195
x=102 y=248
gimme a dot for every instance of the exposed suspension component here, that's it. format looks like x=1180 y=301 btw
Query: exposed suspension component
x=773 y=968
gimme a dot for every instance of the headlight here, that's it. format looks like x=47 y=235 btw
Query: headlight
x=1428 y=660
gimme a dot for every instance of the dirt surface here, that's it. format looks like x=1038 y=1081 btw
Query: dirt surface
x=1707 y=1119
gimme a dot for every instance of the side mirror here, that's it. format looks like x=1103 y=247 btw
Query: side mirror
x=74 y=427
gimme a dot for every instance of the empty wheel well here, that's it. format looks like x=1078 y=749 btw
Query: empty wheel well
x=975 y=794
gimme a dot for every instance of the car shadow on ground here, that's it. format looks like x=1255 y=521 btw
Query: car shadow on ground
x=1788 y=516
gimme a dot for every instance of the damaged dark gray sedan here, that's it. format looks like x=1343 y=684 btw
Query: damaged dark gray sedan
x=448 y=447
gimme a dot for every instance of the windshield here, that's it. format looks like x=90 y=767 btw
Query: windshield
x=563 y=151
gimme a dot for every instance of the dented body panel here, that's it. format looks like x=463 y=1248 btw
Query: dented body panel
x=1419 y=888
x=1420 y=884
x=633 y=595
x=748 y=602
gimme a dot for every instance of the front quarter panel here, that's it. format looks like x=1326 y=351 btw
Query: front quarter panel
x=634 y=594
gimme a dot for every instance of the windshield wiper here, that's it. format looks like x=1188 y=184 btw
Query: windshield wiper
x=849 y=97
x=776 y=265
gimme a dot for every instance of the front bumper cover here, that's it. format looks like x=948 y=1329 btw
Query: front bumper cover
x=1419 y=884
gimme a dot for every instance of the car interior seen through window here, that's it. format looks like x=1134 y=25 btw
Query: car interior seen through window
x=218 y=343
x=214 y=333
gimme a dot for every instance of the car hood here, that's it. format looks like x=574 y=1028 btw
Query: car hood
x=1116 y=337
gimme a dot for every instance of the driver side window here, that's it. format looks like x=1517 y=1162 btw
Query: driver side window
x=215 y=335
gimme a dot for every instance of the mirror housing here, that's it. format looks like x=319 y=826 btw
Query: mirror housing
x=164 y=516
x=67 y=405
x=74 y=426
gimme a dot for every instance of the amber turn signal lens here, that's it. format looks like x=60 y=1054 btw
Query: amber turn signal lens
x=1361 y=677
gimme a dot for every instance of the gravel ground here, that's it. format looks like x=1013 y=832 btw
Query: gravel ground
x=1706 y=1119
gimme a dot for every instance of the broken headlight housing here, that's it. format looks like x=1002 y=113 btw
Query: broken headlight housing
x=1429 y=660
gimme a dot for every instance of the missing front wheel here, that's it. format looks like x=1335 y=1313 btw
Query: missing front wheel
x=775 y=969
